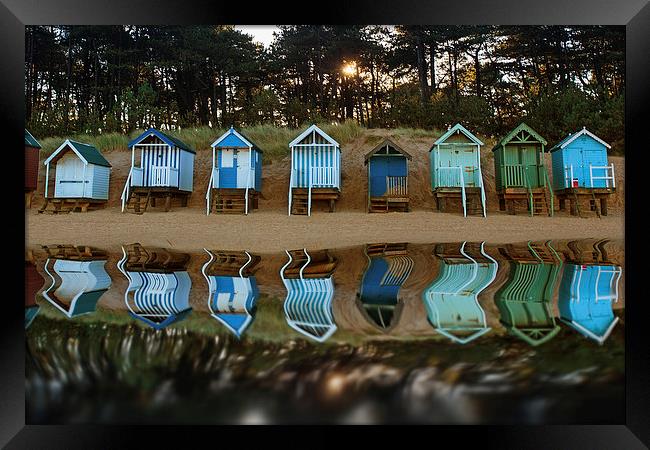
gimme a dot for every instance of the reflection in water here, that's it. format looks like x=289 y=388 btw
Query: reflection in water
x=588 y=289
x=78 y=278
x=232 y=288
x=310 y=289
x=525 y=300
x=33 y=282
x=389 y=266
x=159 y=285
x=451 y=300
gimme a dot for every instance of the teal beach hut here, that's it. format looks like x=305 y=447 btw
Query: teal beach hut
x=232 y=288
x=310 y=290
x=451 y=300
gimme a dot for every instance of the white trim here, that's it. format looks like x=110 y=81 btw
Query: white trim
x=228 y=133
x=58 y=150
x=583 y=132
x=313 y=128
x=462 y=129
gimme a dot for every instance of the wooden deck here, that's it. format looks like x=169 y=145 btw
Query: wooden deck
x=141 y=197
x=67 y=205
x=300 y=199
x=595 y=198
x=513 y=198
x=451 y=199
x=233 y=201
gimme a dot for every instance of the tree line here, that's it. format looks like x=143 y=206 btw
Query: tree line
x=99 y=79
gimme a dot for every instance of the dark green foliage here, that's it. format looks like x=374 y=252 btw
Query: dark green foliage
x=103 y=79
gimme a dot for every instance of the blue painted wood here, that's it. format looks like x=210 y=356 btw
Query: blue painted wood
x=579 y=153
x=372 y=290
x=232 y=140
x=227 y=175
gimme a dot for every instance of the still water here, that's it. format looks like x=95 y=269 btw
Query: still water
x=463 y=332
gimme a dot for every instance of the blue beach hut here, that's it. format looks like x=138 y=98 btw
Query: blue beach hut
x=310 y=290
x=232 y=288
x=387 y=177
x=159 y=288
x=389 y=266
x=236 y=177
x=581 y=168
x=76 y=286
x=451 y=301
x=315 y=171
x=164 y=170
x=587 y=292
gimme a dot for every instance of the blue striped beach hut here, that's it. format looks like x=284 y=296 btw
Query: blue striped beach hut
x=315 y=170
x=231 y=296
x=451 y=301
x=236 y=177
x=163 y=170
x=156 y=296
x=76 y=286
x=389 y=266
x=308 y=305
x=587 y=293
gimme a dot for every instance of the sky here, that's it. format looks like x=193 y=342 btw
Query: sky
x=261 y=33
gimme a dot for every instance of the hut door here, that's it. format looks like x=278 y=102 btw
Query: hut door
x=528 y=159
x=69 y=177
x=228 y=172
x=243 y=167
x=378 y=174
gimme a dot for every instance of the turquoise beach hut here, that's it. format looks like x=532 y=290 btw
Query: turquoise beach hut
x=232 y=288
x=451 y=301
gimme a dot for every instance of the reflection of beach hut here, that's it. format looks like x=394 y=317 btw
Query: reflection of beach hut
x=165 y=170
x=33 y=282
x=389 y=266
x=236 y=177
x=232 y=288
x=78 y=279
x=81 y=178
x=581 y=170
x=451 y=300
x=315 y=170
x=310 y=290
x=159 y=285
x=387 y=177
x=525 y=301
x=456 y=170
x=32 y=160
x=588 y=289
x=520 y=172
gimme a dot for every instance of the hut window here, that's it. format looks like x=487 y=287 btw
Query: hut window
x=227 y=158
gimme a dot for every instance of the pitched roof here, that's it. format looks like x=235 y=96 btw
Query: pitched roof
x=383 y=144
x=305 y=133
x=88 y=153
x=239 y=135
x=571 y=137
x=457 y=128
x=521 y=127
x=166 y=138
x=30 y=141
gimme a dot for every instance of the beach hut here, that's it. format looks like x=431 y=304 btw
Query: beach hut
x=159 y=285
x=451 y=300
x=33 y=283
x=581 y=171
x=387 y=177
x=164 y=169
x=456 y=171
x=232 y=288
x=81 y=178
x=310 y=290
x=315 y=171
x=236 y=177
x=588 y=290
x=525 y=300
x=389 y=266
x=78 y=279
x=32 y=161
x=520 y=172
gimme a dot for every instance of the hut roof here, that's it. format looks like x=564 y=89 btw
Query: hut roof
x=239 y=135
x=521 y=127
x=458 y=128
x=305 y=133
x=88 y=153
x=30 y=141
x=572 y=137
x=166 y=138
x=384 y=143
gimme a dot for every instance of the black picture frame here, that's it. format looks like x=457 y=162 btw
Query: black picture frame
x=633 y=14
